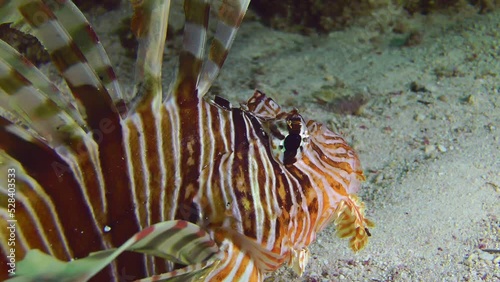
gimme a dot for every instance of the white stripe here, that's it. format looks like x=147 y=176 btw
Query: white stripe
x=253 y=174
x=159 y=116
x=137 y=122
x=176 y=149
x=35 y=220
x=26 y=102
x=52 y=35
x=72 y=160
x=232 y=275
x=194 y=39
x=130 y=167
x=225 y=34
x=69 y=15
x=21 y=242
x=96 y=164
x=207 y=169
x=207 y=76
x=228 y=249
x=129 y=155
x=247 y=274
x=20 y=132
x=228 y=184
x=81 y=74
x=5 y=70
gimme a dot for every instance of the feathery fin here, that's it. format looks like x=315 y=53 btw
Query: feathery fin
x=9 y=13
x=39 y=81
x=231 y=13
x=94 y=100
x=169 y=239
x=85 y=38
x=151 y=35
x=96 y=160
x=196 y=75
x=191 y=57
x=351 y=223
x=30 y=16
x=35 y=220
x=35 y=110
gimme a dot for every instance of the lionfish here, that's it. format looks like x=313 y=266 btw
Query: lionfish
x=179 y=185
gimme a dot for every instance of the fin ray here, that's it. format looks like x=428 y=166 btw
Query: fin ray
x=151 y=35
x=22 y=99
x=193 y=47
x=196 y=74
x=183 y=234
x=85 y=38
x=231 y=13
x=93 y=99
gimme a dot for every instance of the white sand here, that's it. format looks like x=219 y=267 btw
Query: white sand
x=433 y=167
x=436 y=202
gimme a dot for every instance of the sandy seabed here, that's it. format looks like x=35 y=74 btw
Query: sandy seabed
x=428 y=136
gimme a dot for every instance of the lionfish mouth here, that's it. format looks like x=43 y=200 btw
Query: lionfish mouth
x=104 y=184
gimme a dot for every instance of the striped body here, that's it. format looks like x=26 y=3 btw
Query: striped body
x=92 y=173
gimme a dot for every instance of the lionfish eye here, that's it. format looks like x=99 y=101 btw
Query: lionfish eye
x=292 y=142
x=287 y=134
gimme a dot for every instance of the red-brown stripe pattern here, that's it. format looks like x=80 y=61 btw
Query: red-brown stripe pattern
x=175 y=156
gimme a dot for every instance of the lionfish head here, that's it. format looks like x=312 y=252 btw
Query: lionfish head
x=295 y=141
x=323 y=161
x=330 y=152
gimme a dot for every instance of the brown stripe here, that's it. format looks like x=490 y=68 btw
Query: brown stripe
x=207 y=159
x=261 y=143
x=124 y=214
x=187 y=101
x=168 y=156
x=284 y=201
x=223 y=103
x=216 y=214
x=310 y=195
x=106 y=129
x=107 y=133
x=87 y=29
x=110 y=75
x=153 y=163
x=66 y=56
x=231 y=12
x=141 y=19
x=84 y=36
x=197 y=12
x=43 y=214
x=53 y=174
x=338 y=187
x=136 y=162
x=160 y=265
x=314 y=213
x=241 y=179
x=36 y=13
x=189 y=69
x=218 y=53
x=345 y=166
x=13 y=82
